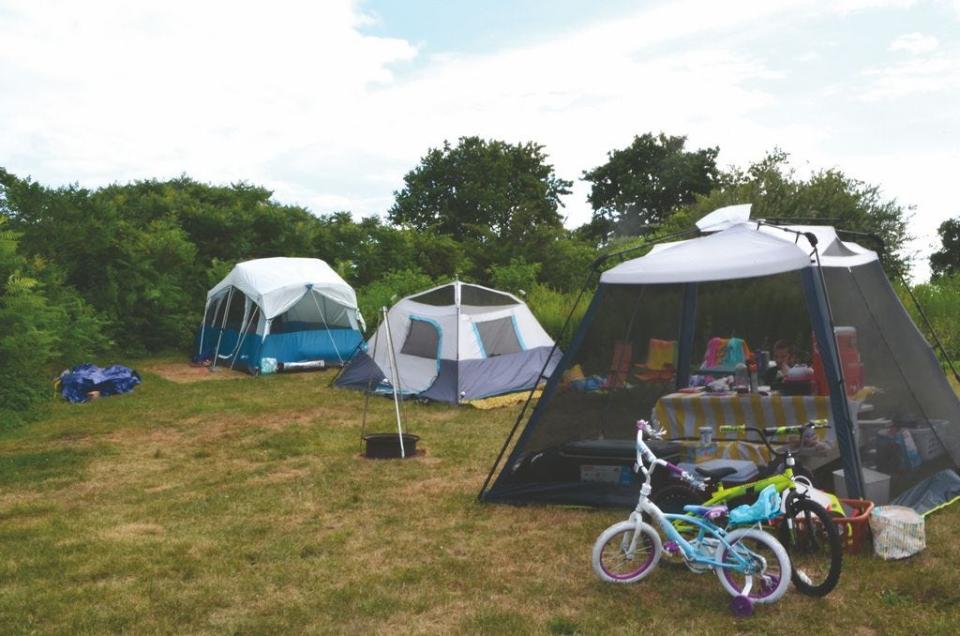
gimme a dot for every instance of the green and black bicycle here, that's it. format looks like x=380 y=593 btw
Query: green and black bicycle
x=806 y=529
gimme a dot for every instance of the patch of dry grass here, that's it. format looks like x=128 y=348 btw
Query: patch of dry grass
x=243 y=507
x=182 y=372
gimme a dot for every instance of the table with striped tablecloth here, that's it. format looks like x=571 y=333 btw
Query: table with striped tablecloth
x=682 y=415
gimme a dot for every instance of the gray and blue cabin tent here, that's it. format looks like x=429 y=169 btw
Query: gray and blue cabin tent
x=284 y=309
x=454 y=343
x=890 y=407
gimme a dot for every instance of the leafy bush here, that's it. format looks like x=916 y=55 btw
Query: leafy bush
x=940 y=300
x=552 y=308
x=389 y=289
x=42 y=324
x=518 y=276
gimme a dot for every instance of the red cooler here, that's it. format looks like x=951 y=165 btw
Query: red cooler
x=849 y=359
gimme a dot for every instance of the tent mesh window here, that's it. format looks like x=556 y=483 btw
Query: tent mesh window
x=423 y=340
x=498 y=336
x=909 y=416
x=312 y=312
x=578 y=446
x=215 y=309
x=480 y=297
x=440 y=297
x=235 y=311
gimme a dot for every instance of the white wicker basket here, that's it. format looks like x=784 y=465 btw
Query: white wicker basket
x=898 y=532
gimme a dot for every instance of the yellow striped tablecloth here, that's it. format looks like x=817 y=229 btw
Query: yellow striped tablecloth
x=683 y=414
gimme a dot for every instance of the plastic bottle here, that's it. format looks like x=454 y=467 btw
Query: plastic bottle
x=740 y=377
x=706 y=447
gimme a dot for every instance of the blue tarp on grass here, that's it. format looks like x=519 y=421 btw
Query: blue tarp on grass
x=76 y=383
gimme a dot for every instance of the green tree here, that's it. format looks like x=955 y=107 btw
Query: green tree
x=388 y=289
x=145 y=253
x=946 y=261
x=776 y=191
x=493 y=197
x=517 y=277
x=43 y=324
x=642 y=184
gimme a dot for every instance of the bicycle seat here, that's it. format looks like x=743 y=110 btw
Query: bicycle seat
x=707 y=512
x=716 y=474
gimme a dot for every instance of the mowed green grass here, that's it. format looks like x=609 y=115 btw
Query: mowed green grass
x=241 y=506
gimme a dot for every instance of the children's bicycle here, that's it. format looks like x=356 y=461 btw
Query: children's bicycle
x=751 y=564
x=806 y=529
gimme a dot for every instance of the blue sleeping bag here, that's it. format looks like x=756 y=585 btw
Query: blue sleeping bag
x=84 y=378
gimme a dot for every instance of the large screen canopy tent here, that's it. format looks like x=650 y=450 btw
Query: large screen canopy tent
x=455 y=343
x=652 y=327
x=287 y=310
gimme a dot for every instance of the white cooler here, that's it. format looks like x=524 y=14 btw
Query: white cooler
x=876 y=486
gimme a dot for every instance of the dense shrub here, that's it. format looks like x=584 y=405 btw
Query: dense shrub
x=940 y=300
x=42 y=324
x=389 y=289
x=552 y=308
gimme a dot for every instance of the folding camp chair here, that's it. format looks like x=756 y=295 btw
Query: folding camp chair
x=619 y=365
x=661 y=364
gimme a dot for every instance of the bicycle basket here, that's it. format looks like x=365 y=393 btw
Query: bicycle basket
x=766 y=507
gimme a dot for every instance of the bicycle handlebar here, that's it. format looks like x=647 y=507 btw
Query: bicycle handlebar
x=644 y=453
x=775 y=430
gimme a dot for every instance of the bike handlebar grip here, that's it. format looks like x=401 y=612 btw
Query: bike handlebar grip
x=693 y=481
x=730 y=428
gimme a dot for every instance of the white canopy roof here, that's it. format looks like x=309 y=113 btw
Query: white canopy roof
x=276 y=284
x=833 y=251
x=738 y=252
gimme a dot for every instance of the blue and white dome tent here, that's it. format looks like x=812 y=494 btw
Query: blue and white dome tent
x=455 y=343
x=285 y=309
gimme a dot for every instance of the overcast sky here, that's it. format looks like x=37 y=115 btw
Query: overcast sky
x=330 y=102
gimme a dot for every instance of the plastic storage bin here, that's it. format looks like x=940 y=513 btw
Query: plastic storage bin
x=876 y=485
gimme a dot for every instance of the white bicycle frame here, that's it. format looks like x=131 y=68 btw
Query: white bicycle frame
x=665 y=520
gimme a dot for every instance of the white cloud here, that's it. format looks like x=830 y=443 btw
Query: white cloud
x=915 y=43
x=120 y=88
x=854 y=6
x=296 y=97
x=955 y=5
x=922 y=75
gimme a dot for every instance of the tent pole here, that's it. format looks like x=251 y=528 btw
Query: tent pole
x=395 y=380
x=243 y=335
x=336 y=349
x=223 y=324
x=203 y=327
x=821 y=314
x=533 y=389
x=687 y=332
x=456 y=300
x=366 y=398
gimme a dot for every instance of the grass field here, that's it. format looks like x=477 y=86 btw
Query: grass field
x=241 y=506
